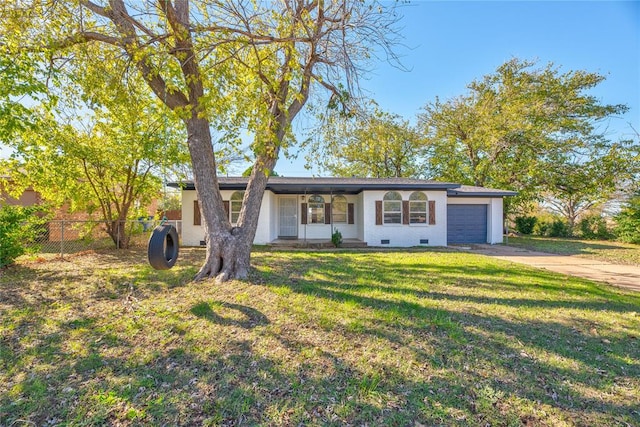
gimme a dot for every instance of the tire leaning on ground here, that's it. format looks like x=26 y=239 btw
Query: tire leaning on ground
x=163 y=247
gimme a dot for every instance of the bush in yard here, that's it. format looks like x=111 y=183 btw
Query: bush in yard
x=558 y=228
x=552 y=226
x=541 y=228
x=525 y=224
x=336 y=238
x=628 y=221
x=19 y=228
x=594 y=227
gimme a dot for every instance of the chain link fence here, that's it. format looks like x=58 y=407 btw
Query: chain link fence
x=63 y=237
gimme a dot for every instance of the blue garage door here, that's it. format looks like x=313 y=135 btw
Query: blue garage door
x=466 y=224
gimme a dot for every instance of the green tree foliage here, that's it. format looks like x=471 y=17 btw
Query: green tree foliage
x=101 y=150
x=248 y=171
x=219 y=66
x=367 y=144
x=516 y=128
x=628 y=221
x=19 y=228
x=573 y=187
x=594 y=227
x=18 y=83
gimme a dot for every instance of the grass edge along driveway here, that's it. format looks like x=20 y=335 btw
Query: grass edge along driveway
x=317 y=338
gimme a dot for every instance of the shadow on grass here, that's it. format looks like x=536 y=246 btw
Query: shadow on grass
x=488 y=342
x=110 y=274
x=251 y=316
x=361 y=343
x=105 y=384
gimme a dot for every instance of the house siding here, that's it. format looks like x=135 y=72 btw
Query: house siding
x=364 y=214
x=324 y=231
x=192 y=234
x=404 y=235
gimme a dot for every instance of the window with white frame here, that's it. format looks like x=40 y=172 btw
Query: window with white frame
x=392 y=208
x=339 y=209
x=316 y=209
x=417 y=208
x=236 y=205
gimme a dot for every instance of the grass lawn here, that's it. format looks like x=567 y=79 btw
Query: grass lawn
x=604 y=250
x=406 y=338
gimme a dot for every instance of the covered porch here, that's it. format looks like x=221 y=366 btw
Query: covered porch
x=316 y=243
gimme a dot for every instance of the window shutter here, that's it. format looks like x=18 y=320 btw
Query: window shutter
x=378 y=212
x=226 y=207
x=432 y=212
x=405 y=212
x=197 y=219
x=350 y=213
x=303 y=212
x=327 y=213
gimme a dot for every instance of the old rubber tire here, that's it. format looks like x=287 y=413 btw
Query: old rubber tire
x=163 y=247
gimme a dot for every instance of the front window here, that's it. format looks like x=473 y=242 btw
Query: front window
x=417 y=208
x=236 y=205
x=392 y=208
x=316 y=209
x=339 y=209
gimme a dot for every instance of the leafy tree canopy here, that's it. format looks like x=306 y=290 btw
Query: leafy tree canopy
x=219 y=66
x=370 y=143
x=99 y=141
x=516 y=128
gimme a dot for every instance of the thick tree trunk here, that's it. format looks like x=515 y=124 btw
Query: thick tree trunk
x=228 y=256
x=228 y=248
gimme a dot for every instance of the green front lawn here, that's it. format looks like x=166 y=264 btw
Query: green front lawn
x=603 y=250
x=315 y=338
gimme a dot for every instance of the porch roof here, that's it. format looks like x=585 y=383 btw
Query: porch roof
x=302 y=185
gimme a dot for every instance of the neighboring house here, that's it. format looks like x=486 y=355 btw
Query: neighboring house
x=394 y=212
x=29 y=196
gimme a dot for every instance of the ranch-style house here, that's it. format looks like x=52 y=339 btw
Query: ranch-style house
x=392 y=212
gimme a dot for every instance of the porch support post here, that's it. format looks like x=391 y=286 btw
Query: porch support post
x=331 y=212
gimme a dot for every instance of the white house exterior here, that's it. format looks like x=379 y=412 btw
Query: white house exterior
x=390 y=212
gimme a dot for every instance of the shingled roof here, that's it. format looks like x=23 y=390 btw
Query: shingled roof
x=298 y=185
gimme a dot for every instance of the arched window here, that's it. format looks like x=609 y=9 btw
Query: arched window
x=316 y=209
x=236 y=205
x=339 y=209
x=392 y=208
x=417 y=208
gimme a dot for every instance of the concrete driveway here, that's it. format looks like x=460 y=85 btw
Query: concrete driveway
x=624 y=276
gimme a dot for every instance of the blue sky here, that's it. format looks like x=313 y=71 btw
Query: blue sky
x=449 y=44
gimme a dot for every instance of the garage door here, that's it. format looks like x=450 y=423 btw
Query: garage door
x=466 y=224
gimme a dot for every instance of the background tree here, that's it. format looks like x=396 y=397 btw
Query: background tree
x=367 y=144
x=573 y=187
x=628 y=220
x=222 y=63
x=516 y=125
x=95 y=148
x=18 y=82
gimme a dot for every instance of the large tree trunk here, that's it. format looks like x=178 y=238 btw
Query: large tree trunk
x=228 y=248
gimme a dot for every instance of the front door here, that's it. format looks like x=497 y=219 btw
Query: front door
x=288 y=218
